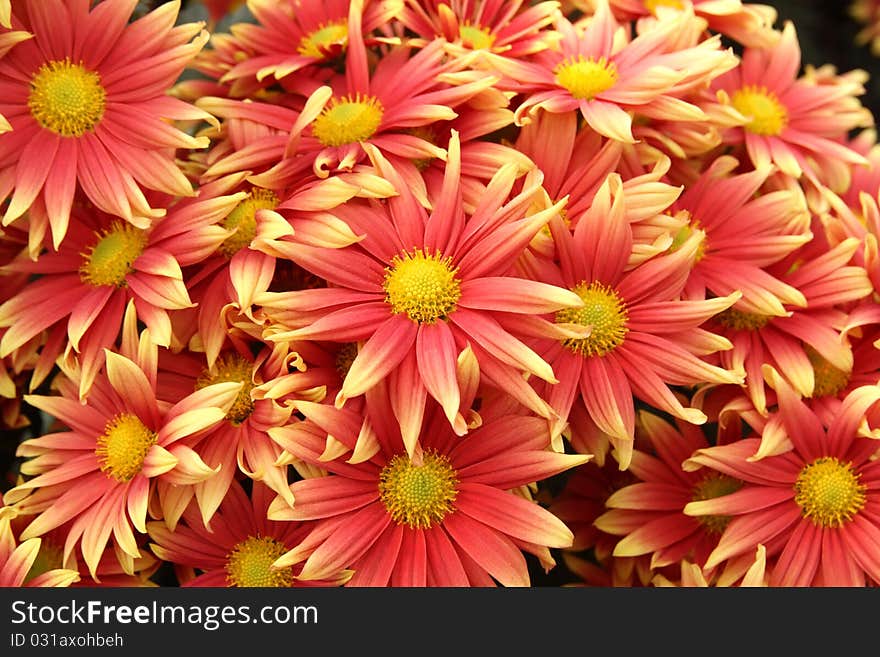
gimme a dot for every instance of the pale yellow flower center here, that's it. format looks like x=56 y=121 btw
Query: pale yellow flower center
x=684 y=234
x=829 y=492
x=742 y=321
x=418 y=495
x=652 y=5
x=348 y=120
x=232 y=368
x=604 y=311
x=585 y=78
x=249 y=564
x=424 y=286
x=767 y=116
x=318 y=43
x=345 y=357
x=711 y=486
x=67 y=98
x=123 y=446
x=829 y=380
x=243 y=220
x=476 y=37
x=110 y=259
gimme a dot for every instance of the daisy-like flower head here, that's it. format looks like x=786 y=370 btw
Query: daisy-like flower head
x=103 y=264
x=815 y=507
x=19 y=562
x=99 y=474
x=445 y=518
x=506 y=28
x=644 y=338
x=798 y=124
x=240 y=547
x=420 y=290
x=292 y=35
x=86 y=98
x=602 y=73
x=692 y=575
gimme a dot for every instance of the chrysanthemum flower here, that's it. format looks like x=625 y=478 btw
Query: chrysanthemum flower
x=828 y=282
x=99 y=475
x=795 y=123
x=419 y=288
x=18 y=560
x=291 y=35
x=692 y=575
x=499 y=28
x=644 y=339
x=87 y=101
x=240 y=547
x=445 y=518
x=607 y=78
x=744 y=233
x=8 y=39
x=102 y=265
x=815 y=507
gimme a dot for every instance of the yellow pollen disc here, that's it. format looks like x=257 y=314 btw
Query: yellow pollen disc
x=418 y=495
x=652 y=5
x=110 y=259
x=829 y=380
x=740 y=321
x=711 y=486
x=123 y=447
x=423 y=286
x=604 y=311
x=429 y=135
x=345 y=357
x=476 y=37
x=768 y=115
x=320 y=43
x=348 y=120
x=243 y=220
x=49 y=557
x=67 y=98
x=829 y=492
x=586 y=78
x=248 y=565
x=232 y=368
x=683 y=235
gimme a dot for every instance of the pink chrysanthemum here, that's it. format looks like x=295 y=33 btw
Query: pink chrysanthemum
x=446 y=518
x=100 y=474
x=19 y=562
x=421 y=288
x=87 y=101
x=240 y=546
x=798 y=124
x=607 y=78
x=815 y=507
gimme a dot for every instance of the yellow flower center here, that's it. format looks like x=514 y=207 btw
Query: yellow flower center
x=652 y=5
x=123 y=446
x=345 y=357
x=418 y=495
x=427 y=133
x=249 y=564
x=110 y=259
x=243 y=220
x=711 y=486
x=741 y=321
x=232 y=368
x=476 y=37
x=829 y=380
x=684 y=234
x=320 y=42
x=604 y=311
x=423 y=286
x=49 y=557
x=767 y=116
x=67 y=98
x=348 y=120
x=829 y=492
x=585 y=78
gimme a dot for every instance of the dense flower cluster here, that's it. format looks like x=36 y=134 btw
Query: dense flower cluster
x=435 y=293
